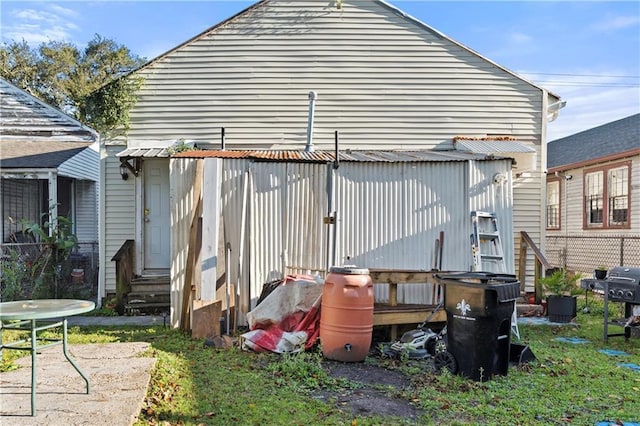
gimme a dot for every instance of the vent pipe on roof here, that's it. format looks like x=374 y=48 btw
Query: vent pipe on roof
x=312 y=106
x=222 y=141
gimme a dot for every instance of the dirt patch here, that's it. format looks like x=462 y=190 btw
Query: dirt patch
x=375 y=389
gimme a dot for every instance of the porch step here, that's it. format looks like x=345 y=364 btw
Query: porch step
x=149 y=294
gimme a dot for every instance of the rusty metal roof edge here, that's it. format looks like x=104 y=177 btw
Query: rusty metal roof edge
x=343 y=156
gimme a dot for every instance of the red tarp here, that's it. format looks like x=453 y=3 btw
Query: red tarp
x=288 y=319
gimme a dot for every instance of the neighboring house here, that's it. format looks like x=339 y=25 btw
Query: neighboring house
x=593 y=197
x=384 y=80
x=50 y=167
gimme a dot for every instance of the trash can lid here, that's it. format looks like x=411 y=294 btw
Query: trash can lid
x=349 y=270
x=506 y=286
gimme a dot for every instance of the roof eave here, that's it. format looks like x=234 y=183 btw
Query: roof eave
x=594 y=161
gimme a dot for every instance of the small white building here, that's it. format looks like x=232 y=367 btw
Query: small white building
x=382 y=79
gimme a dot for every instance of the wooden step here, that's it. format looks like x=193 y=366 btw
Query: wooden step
x=149 y=294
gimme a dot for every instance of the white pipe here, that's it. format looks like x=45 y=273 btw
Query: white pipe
x=312 y=106
x=227 y=284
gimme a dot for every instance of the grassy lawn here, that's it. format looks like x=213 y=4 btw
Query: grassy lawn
x=567 y=384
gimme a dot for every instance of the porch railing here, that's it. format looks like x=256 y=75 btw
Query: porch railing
x=541 y=264
x=124 y=259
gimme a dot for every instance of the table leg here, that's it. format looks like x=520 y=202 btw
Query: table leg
x=66 y=354
x=34 y=344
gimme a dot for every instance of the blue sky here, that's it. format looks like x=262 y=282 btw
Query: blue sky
x=587 y=52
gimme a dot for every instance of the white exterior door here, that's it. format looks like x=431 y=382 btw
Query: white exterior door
x=156 y=215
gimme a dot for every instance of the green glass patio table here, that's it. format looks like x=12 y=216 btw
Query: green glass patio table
x=35 y=316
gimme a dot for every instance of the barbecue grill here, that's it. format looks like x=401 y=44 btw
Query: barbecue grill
x=621 y=285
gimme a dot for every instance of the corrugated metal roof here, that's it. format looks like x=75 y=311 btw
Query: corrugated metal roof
x=491 y=146
x=327 y=156
x=144 y=152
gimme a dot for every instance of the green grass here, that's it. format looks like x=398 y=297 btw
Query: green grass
x=567 y=384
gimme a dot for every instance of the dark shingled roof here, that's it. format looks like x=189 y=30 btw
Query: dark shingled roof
x=602 y=141
x=30 y=155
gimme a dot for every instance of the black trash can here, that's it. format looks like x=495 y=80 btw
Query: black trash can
x=479 y=308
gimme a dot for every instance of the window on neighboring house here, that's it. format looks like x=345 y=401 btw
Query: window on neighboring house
x=553 y=204
x=607 y=197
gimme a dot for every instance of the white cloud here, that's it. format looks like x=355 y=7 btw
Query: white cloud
x=520 y=38
x=50 y=23
x=616 y=23
x=592 y=100
x=590 y=107
x=64 y=11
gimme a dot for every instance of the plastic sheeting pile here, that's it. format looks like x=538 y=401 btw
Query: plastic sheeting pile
x=288 y=319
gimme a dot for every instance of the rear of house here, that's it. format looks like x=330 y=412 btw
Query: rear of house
x=593 y=197
x=383 y=80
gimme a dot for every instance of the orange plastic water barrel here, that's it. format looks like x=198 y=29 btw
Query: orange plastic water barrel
x=346 y=314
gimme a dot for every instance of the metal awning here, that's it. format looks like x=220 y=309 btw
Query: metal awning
x=524 y=155
x=144 y=152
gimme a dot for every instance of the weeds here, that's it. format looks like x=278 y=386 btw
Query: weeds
x=566 y=384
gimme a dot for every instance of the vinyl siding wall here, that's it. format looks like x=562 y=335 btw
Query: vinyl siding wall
x=575 y=203
x=86 y=213
x=588 y=248
x=85 y=165
x=118 y=214
x=383 y=81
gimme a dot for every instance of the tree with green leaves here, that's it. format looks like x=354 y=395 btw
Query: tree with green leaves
x=94 y=84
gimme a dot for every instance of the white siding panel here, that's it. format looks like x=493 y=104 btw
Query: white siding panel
x=119 y=213
x=84 y=165
x=86 y=214
x=383 y=81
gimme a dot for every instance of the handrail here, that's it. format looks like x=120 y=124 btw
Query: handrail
x=540 y=262
x=122 y=251
x=124 y=259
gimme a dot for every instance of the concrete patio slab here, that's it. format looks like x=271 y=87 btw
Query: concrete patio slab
x=118 y=375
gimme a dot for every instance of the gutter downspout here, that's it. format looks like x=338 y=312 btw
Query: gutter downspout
x=312 y=106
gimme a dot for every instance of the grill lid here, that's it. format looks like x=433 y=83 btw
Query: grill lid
x=624 y=274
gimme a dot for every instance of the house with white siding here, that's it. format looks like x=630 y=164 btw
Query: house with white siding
x=593 y=197
x=49 y=165
x=49 y=168
x=282 y=76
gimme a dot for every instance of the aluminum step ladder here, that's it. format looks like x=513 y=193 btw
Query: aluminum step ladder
x=486 y=248
x=486 y=245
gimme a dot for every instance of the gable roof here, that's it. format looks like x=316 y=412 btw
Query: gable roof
x=392 y=8
x=617 y=137
x=24 y=117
